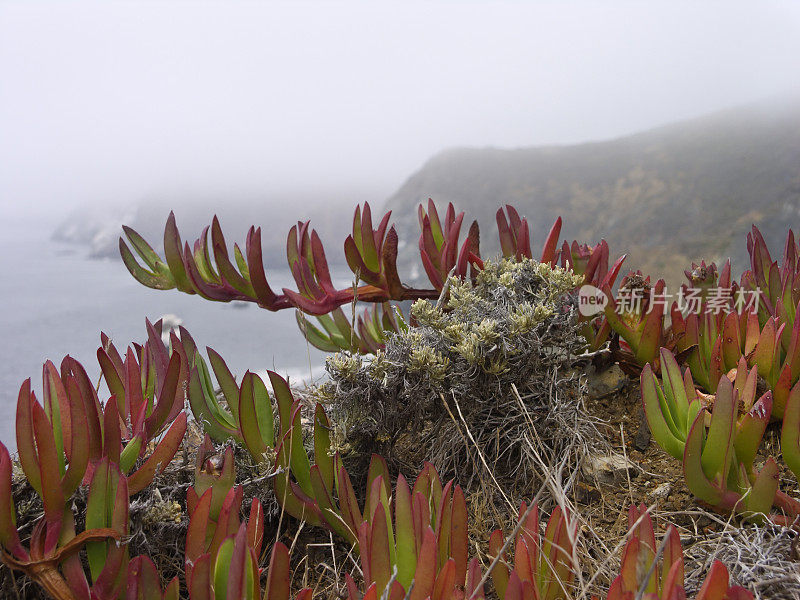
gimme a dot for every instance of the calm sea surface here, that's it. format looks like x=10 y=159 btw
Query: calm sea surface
x=56 y=302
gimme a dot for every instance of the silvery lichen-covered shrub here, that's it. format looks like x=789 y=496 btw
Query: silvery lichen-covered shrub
x=488 y=366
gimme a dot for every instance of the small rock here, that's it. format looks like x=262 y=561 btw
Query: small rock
x=586 y=494
x=170 y=323
x=661 y=492
x=642 y=438
x=605 y=382
x=609 y=469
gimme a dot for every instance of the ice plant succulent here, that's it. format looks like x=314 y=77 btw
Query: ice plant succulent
x=638 y=574
x=211 y=472
x=515 y=237
x=148 y=394
x=246 y=416
x=76 y=431
x=790 y=431
x=777 y=285
x=52 y=558
x=714 y=344
x=422 y=552
x=543 y=567
x=777 y=356
x=372 y=329
x=306 y=491
x=107 y=507
x=54 y=454
x=207 y=269
x=592 y=265
x=214 y=504
x=371 y=253
x=149 y=383
x=73 y=439
x=323 y=495
x=717 y=458
x=720 y=329
x=641 y=577
x=52 y=444
x=144 y=581
x=637 y=316
x=438 y=244
x=699 y=328
x=222 y=553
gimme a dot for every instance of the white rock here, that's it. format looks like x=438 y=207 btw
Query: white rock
x=613 y=468
x=661 y=492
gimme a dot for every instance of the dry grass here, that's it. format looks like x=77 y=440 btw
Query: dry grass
x=762 y=558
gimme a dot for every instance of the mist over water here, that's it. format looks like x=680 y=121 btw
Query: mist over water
x=60 y=302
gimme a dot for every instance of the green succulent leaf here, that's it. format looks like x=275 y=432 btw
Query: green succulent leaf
x=696 y=479
x=658 y=415
x=718 y=447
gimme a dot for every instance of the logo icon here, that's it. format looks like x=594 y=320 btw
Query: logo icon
x=591 y=300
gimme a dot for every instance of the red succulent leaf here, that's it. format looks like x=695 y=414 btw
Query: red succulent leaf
x=199 y=532
x=445 y=585
x=9 y=537
x=715 y=586
x=255 y=526
x=425 y=575
x=198 y=578
x=347 y=500
x=279 y=577
x=459 y=542
x=550 y=243
x=474 y=587
x=258 y=278
x=144 y=582
x=161 y=456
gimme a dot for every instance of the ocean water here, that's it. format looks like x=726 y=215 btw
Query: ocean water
x=56 y=302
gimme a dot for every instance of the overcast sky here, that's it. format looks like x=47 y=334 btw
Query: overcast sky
x=114 y=101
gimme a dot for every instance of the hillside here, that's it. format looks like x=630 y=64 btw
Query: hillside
x=670 y=195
